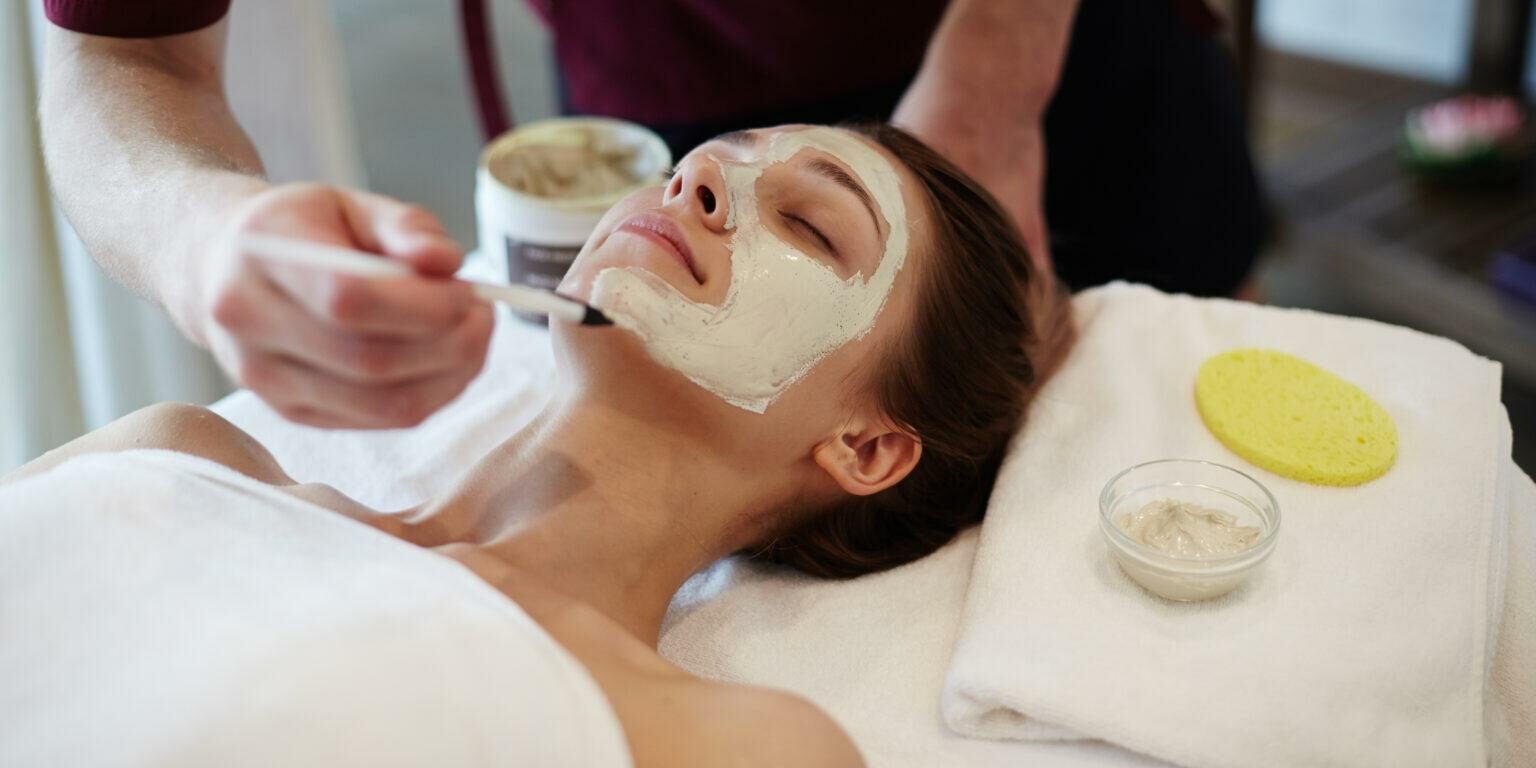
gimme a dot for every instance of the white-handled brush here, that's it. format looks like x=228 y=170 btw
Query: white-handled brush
x=345 y=261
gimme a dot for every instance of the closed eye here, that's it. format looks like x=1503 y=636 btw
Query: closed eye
x=811 y=230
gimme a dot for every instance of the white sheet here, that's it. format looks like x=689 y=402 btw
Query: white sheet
x=871 y=651
x=157 y=609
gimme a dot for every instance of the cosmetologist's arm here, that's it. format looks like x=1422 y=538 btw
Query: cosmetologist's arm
x=159 y=179
x=981 y=95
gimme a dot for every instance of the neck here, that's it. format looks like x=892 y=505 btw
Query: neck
x=607 y=508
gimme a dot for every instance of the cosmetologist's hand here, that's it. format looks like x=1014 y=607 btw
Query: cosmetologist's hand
x=342 y=351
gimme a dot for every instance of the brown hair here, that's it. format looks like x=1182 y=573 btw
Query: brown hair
x=988 y=327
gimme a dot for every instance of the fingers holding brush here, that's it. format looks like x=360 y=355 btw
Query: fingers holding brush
x=367 y=358
x=308 y=395
x=381 y=349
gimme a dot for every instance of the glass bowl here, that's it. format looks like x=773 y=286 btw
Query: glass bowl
x=1188 y=578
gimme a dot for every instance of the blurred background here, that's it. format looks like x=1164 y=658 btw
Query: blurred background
x=375 y=93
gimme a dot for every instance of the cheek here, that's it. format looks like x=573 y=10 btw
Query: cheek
x=578 y=279
x=827 y=396
x=847 y=378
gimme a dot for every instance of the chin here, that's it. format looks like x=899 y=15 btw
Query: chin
x=611 y=365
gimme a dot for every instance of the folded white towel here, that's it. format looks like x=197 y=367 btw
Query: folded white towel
x=1365 y=640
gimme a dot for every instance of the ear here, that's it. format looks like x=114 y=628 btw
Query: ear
x=868 y=457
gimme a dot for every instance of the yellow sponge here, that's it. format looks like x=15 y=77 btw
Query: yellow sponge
x=1293 y=418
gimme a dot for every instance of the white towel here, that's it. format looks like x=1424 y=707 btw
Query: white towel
x=157 y=609
x=1366 y=639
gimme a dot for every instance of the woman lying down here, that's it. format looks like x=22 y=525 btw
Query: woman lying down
x=824 y=340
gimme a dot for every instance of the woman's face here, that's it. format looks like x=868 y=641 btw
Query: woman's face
x=757 y=283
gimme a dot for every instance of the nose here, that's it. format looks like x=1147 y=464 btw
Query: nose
x=699 y=188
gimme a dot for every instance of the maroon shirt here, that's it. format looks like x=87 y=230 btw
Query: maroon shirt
x=676 y=61
x=656 y=61
x=664 y=62
x=135 y=18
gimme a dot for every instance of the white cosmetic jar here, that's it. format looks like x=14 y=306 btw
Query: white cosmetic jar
x=532 y=240
x=1206 y=484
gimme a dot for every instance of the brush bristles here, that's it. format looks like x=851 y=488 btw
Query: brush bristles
x=595 y=317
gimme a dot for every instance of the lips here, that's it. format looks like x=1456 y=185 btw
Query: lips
x=665 y=233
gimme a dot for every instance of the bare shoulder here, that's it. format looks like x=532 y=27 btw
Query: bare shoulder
x=754 y=727
x=676 y=719
x=172 y=426
x=787 y=729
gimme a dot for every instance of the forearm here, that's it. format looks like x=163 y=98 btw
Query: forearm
x=981 y=94
x=146 y=157
x=1002 y=56
x=162 y=183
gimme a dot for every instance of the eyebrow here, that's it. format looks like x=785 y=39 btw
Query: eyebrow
x=840 y=177
x=824 y=168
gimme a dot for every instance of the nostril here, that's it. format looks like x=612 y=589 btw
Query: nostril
x=707 y=199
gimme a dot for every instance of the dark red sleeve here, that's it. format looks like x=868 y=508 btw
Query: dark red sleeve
x=135 y=18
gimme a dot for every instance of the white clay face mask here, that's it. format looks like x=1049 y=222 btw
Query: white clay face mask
x=784 y=310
